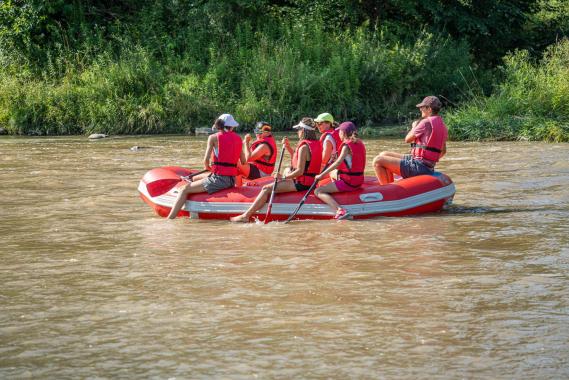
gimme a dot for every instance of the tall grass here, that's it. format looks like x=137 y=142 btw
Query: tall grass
x=124 y=86
x=532 y=103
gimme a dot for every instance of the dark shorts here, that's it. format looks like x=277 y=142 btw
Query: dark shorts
x=216 y=182
x=410 y=167
x=300 y=187
x=255 y=172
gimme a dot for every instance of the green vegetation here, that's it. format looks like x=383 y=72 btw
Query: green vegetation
x=166 y=66
x=531 y=103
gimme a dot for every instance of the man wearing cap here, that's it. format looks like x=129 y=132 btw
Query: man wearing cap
x=330 y=138
x=261 y=155
x=427 y=137
x=223 y=152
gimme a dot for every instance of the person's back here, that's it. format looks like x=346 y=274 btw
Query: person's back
x=227 y=154
x=221 y=157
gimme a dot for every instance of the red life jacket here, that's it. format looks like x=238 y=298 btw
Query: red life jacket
x=354 y=176
x=432 y=151
x=228 y=153
x=336 y=136
x=312 y=167
x=264 y=164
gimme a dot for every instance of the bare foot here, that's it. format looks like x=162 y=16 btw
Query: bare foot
x=239 y=219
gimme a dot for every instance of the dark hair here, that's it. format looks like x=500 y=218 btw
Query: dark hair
x=308 y=134
x=435 y=110
x=220 y=124
x=353 y=135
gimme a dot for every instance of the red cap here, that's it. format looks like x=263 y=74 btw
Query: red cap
x=431 y=101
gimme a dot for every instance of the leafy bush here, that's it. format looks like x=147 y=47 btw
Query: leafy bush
x=278 y=74
x=532 y=102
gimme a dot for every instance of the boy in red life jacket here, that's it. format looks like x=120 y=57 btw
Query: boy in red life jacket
x=428 y=142
x=223 y=152
x=261 y=155
x=305 y=166
x=351 y=165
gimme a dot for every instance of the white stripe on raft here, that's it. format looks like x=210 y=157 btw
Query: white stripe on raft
x=167 y=200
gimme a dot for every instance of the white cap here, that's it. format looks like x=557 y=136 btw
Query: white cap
x=228 y=120
x=302 y=125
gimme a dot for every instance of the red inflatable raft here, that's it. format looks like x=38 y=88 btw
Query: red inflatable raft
x=416 y=195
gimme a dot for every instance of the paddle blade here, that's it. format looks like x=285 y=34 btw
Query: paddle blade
x=161 y=186
x=159 y=181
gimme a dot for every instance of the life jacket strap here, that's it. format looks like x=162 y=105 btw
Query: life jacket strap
x=350 y=173
x=225 y=164
x=430 y=148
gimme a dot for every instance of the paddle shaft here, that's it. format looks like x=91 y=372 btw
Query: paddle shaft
x=304 y=198
x=270 y=205
x=193 y=175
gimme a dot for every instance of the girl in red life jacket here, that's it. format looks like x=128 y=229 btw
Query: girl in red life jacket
x=351 y=165
x=221 y=157
x=305 y=166
x=329 y=137
x=261 y=155
x=428 y=141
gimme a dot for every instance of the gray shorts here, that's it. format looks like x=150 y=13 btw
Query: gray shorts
x=216 y=182
x=410 y=167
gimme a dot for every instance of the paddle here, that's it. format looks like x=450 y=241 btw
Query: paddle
x=162 y=181
x=188 y=178
x=304 y=198
x=270 y=205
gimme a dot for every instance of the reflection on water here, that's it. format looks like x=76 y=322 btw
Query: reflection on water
x=95 y=285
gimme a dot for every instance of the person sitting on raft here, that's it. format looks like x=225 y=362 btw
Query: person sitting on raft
x=223 y=152
x=261 y=155
x=351 y=165
x=330 y=138
x=306 y=161
x=428 y=139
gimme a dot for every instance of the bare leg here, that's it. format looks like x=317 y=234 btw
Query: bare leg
x=282 y=187
x=192 y=187
x=200 y=176
x=324 y=194
x=385 y=164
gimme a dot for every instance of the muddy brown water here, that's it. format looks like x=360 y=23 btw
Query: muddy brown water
x=94 y=285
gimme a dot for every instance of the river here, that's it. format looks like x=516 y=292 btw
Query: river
x=94 y=285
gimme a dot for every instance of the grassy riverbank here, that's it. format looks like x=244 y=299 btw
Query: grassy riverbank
x=532 y=103
x=363 y=75
x=150 y=66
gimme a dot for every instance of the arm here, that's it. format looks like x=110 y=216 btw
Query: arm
x=343 y=154
x=302 y=156
x=211 y=141
x=260 y=151
x=286 y=143
x=410 y=136
x=326 y=152
x=242 y=157
x=443 y=151
x=419 y=129
x=246 y=148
